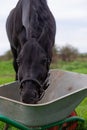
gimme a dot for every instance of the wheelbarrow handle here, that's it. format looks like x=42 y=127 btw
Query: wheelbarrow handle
x=60 y=123
x=13 y=123
x=22 y=127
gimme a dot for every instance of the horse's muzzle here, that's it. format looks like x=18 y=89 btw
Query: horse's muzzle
x=31 y=96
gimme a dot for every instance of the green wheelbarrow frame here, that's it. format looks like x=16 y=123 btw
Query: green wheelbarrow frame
x=22 y=127
x=66 y=91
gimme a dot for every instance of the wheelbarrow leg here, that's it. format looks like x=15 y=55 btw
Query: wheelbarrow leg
x=6 y=127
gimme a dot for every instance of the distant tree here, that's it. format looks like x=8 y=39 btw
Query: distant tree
x=55 y=54
x=83 y=56
x=6 y=56
x=68 y=53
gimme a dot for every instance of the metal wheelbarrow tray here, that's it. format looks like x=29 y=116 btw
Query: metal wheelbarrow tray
x=66 y=91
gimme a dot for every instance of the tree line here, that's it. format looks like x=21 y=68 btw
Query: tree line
x=65 y=53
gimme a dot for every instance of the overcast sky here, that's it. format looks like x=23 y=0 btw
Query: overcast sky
x=71 y=21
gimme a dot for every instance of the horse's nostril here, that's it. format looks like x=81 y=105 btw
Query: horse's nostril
x=28 y=100
x=34 y=94
x=30 y=97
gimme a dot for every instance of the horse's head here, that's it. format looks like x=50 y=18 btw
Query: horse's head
x=32 y=71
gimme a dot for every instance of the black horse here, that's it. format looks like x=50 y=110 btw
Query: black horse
x=31 y=32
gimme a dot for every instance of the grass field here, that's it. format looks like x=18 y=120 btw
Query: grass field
x=7 y=74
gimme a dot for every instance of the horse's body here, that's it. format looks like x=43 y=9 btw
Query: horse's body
x=31 y=32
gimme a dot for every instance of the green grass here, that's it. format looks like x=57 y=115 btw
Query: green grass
x=7 y=74
x=82 y=112
x=10 y=128
x=75 y=66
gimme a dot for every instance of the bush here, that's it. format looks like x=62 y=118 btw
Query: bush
x=6 y=56
x=68 y=53
x=55 y=55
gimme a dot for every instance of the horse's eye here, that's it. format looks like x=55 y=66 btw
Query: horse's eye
x=22 y=85
x=48 y=61
x=18 y=62
x=44 y=62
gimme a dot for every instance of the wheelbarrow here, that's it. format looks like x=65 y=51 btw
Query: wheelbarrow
x=66 y=91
